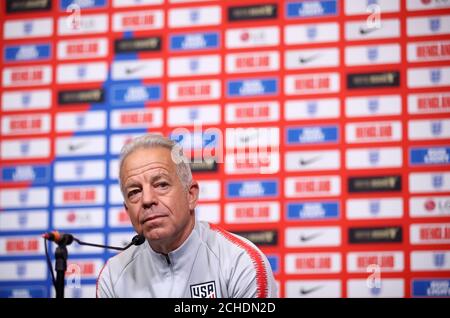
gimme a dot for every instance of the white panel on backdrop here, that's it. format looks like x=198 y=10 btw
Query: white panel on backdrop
x=80 y=146
x=312 y=186
x=81 y=121
x=78 y=218
x=369 y=55
x=387 y=261
x=252 y=212
x=194 y=90
x=25 y=245
x=36 y=197
x=360 y=30
x=423 y=26
x=429 y=206
x=252 y=112
x=25 y=124
x=429 y=103
x=190 y=115
x=303 y=109
x=311 y=58
x=389 y=288
x=33 y=75
x=311 y=83
x=364 y=8
x=313 y=236
x=309 y=288
x=26 y=100
x=89 y=24
x=252 y=62
x=430 y=261
x=313 y=263
x=136 y=69
x=85 y=72
x=369 y=106
x=312 y=160
x=24 y=29
x=37 y=220
x=23 y=271
x=208 y=212
x=311 y=33
x=252 y=37
x=374 y=208
x=195 y=16
x=79 y=195
x=209 y=190
x=194 y=65
x=138 y=20
x=82 y=49
x=374 y=158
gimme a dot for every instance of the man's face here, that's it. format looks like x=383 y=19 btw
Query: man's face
x=158 y=204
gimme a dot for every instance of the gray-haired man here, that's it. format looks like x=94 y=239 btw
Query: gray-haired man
x=182 y=256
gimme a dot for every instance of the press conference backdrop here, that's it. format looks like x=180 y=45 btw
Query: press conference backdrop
x=341 y=107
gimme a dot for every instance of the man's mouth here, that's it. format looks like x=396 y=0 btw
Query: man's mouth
x=152 y=217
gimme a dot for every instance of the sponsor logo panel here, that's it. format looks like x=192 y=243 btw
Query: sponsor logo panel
x=390 y=183
x=429 y=233
x=374 y=158
x=312 y=210
x=374 y=208
x=26 y=100
x=387 y=105
x=314 y=263
x=430 y=261
x=252 y=212
x=254 y=12
x=23 y=271
x=313 y=186
x=307 y=9
x=331 y=288
x=369 y=235
x=428 y=103
x=433 y=287
x=311 y=109
x=311 y=33
x=423 y=129
x=313 y=236
x=424 y=26
x=388 y=288
x=429 y=206
x=34 y=220
x=388 y=261
x=428 y=182
x=195 y=16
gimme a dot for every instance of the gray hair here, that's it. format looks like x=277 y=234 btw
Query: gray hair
x=155 y=141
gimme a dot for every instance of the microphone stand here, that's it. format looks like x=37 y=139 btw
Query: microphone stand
x=61 y=265
x=61 y=256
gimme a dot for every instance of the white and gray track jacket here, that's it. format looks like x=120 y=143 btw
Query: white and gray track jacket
x=211 y=263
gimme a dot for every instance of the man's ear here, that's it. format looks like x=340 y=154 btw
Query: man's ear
x=193 y=195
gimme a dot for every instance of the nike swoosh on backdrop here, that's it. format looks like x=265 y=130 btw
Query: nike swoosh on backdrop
x=366 y=30
x=304 y=162
x=74 y=147
x=304 y=291
x=306 y=238
x=132 y=70
x=304 y=60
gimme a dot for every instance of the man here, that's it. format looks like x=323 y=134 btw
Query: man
x=182 y=256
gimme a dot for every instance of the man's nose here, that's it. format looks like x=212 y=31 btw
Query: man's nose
x=149 y=197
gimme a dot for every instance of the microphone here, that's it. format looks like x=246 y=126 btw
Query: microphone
x=59 y=238
x=67 y=239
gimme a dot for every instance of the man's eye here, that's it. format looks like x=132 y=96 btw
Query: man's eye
x=162 y=185
x=133 y=193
